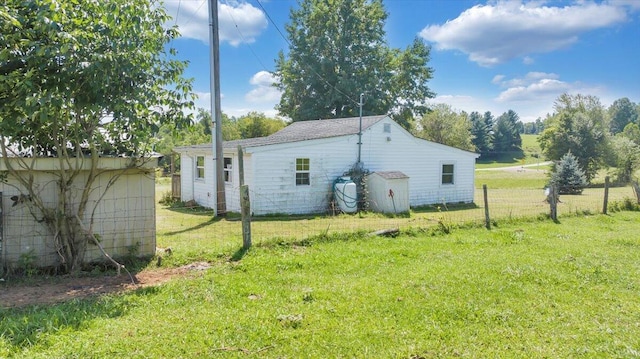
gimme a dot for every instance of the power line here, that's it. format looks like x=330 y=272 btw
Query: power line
x=245 y=41
x=178 y=12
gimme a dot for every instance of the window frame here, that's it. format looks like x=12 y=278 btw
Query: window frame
x=228 y=169
x=303 y=171
x=200 y=167
x=451 y=174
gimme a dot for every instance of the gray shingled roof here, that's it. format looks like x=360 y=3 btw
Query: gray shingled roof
x=303 y=131
x=309 y=130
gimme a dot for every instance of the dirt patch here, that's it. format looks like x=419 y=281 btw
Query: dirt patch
x=62 y=289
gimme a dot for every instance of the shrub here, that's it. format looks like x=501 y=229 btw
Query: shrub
x=567 y=175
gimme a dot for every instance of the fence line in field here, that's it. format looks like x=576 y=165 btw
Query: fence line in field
x=503 y=204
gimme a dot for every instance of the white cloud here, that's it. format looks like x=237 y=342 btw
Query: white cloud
x=232 y=109
x=193 y=21
x=495 y=33
x=263 y=91
x=533 y=87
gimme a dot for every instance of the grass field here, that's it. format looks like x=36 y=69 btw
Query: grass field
x=319 y=286
x=532 y=289
x=530 y=154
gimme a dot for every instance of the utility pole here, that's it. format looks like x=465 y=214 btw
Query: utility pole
x=216 y=111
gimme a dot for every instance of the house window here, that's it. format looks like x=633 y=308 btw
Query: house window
x=199 y=167
x=447 y=174
x=228 y=170
x=386 y=128
x=302 y=172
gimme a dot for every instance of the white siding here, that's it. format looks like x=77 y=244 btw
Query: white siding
x=270 y=171
x=273 y=187
x=422 y=161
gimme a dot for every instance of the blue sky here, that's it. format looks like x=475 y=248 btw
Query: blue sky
x=487 y=55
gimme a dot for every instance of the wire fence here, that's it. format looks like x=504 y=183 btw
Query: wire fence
x=179 y=225
x=124 y=225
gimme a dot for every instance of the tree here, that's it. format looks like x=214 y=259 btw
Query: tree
x=443 y=125
x=621 y=113
x=482 y=134
x=567 y=176
x=533 y=128
x=632 y=132
x=257 y=124
x=578 y=126
x=82 y=80
x=506 y=133
x=338 y=51
x=627 y=157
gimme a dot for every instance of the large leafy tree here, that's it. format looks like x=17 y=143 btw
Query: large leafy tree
x=577 y=126
x=443 y=125
x=338 y=51
x=621 y=113
x=79 y=80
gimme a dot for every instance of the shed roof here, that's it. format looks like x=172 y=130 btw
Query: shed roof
x=391 y=174
x=302 y=131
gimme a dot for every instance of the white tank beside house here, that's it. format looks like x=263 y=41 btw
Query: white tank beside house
x=388 y=192
x=346 y=194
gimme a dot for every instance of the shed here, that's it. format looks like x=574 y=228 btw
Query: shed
x=124 y=217
x=388 y=192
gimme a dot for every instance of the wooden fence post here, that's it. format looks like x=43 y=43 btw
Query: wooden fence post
x=245 y=203
x=636 y=190
x=606 y=195
x=553 y=202
x=487 y=219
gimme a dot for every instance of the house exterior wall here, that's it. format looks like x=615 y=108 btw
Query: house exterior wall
x=200 y=190
x=275 y=191
x=422 y=161
x=273 y=186
x=124 y=218
x=270 y=171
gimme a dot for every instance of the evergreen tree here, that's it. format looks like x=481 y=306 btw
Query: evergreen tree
x=482 y=134
x=506 y=135
x=567 y=176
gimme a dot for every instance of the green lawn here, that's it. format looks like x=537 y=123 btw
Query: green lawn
x=320 y=287
x=530 y=289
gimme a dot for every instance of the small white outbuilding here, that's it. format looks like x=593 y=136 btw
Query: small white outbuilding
x=388 y=192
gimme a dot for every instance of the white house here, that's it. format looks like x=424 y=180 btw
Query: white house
x=293 y=170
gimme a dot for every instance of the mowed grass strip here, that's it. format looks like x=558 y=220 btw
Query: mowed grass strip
x=535 y=289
